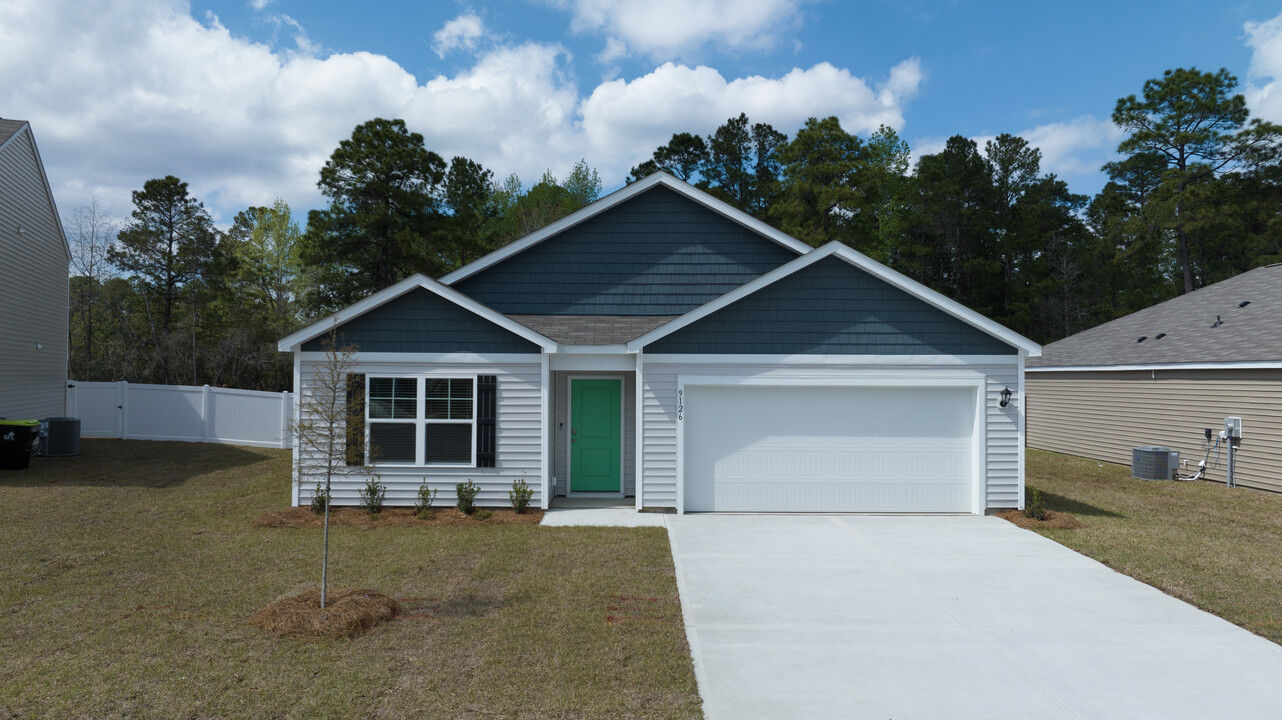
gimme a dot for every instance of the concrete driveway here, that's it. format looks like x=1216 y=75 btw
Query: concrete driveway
x=945 y=617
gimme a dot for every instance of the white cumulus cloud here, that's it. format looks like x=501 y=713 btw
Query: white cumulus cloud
x=666 y=29
x=625 y=120
x=1074 y=150
x=127 y=90
x=1264 y=81
x=461 y=32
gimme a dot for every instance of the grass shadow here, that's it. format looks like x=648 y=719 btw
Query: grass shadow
x=1076 y=507
x=131 y=463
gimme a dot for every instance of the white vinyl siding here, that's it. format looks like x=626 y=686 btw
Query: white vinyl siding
x=1002 y=482
x=519 y=429
x=33 y=288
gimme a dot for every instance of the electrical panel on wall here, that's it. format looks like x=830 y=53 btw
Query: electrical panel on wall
x=1233 y=427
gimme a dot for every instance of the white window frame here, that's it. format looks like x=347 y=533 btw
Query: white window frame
x=420 y=420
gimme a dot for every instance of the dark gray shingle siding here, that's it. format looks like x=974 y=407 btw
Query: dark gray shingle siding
x=656 y=254
x=423 y=322
x=830 y=308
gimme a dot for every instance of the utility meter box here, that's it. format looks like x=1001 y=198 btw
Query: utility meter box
x=1233 y=427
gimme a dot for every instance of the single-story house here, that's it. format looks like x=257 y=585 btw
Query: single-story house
x=34 y=285
x=1166 y=374
x=663 y=346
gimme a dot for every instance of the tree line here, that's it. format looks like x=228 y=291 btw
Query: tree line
x=1195 y=198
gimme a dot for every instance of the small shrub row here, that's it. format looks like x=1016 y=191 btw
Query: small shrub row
x=375 y=492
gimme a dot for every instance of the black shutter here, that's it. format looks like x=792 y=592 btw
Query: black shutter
x=355 y=419
x=487 y=400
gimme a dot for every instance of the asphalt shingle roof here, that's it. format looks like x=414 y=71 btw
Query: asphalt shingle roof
x=592 y=329
x=9 y=127
x=1185 y=329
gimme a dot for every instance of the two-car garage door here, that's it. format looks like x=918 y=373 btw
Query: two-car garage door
x=802 y=448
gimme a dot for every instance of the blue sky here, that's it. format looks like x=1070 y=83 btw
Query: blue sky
x=245 y=99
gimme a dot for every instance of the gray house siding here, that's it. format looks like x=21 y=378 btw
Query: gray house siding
x=422 y=322
x=1103 y=414
x=33 y=285
x=830 y=308
x=657 y=254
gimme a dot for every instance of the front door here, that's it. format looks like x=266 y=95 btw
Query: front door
x=596 y=435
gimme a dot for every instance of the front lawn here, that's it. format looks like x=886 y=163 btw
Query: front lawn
x=1215 y=547
x=126 y=575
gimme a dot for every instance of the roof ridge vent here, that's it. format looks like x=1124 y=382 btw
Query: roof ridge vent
x=1244 y=303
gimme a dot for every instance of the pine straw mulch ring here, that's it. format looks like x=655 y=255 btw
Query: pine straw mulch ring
x=303 y=517
x=347 y=613
x=1055 y=520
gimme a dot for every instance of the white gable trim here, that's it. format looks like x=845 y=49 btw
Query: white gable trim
x=44 y=178
x=294 y=342
x=615 y=198
x=862 y=262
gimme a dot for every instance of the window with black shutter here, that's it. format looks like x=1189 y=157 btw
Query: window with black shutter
x=355 y=419
x=487 y=393
x=428 y=421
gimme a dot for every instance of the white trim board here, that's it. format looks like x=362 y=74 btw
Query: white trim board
x=616 y=198
x=1274 y=365
x=432 y=358
x=294 y=341
x=865 y=263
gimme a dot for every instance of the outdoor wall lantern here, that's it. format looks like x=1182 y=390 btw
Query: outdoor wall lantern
x=1005 y=397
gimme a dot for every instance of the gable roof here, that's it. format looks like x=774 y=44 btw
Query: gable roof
x=1250 y=333
x=9 y=131
x=616 y=198
x=868 y=265
x=295 y=341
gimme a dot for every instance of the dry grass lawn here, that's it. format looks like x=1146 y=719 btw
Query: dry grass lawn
x=1217 y=548
x=127 y=574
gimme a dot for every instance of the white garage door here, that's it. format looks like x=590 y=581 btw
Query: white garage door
x=835 y=449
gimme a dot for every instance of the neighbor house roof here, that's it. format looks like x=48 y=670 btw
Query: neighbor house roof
x=1235 y=321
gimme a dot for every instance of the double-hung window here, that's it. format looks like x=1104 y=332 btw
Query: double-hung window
x=422 y=420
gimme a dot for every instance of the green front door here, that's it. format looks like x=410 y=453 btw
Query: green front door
x=596 y=435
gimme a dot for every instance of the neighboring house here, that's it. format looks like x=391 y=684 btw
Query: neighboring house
x=662 y=345
x=33 y=283
x=1164 y=375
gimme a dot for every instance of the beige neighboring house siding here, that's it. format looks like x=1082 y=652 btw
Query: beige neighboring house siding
x=33 y=287
x=1103 y=414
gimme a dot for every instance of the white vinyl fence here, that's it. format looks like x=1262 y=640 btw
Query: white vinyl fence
x=181 y=412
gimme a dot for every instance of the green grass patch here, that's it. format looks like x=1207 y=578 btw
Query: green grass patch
x=127 y=574
x=1215 y=547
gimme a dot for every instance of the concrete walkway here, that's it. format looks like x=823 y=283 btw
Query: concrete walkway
x=945 y=617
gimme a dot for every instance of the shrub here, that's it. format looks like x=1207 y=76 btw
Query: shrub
x=520 y=494
x=1035 y=508
x=320 y=499
x=483 y=514
x=466 y=492
x=372 y=496
x=426 y=496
